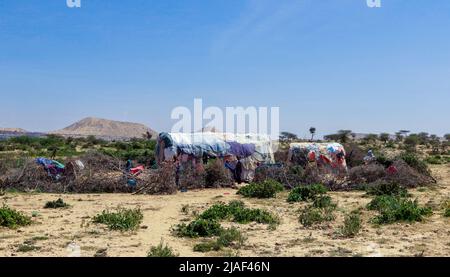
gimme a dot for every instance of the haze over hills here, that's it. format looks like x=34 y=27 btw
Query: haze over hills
x=13 y=130
x=106 y=129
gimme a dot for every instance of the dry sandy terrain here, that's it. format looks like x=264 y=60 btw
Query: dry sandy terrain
x=63 y=232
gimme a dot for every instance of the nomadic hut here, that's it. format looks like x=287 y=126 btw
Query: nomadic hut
x=327 y=155
x=196 y=148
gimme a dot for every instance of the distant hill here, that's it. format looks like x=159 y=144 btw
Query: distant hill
x=106 y=129
x=12 y=130
x=6 y=133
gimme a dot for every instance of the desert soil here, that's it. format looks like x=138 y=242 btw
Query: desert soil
x=70 y=232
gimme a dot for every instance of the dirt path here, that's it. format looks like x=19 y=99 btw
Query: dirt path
x=70 y=232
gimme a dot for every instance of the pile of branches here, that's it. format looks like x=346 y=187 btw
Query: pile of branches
x=409 y=177
x=97 y=161
x=157 y=181
x=293 y=176
x=29 y=177
x=218 y=176
x=190 y=177
x=375 y=173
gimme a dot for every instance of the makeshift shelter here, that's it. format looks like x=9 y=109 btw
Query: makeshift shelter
x=327 y=155
x=251 y=149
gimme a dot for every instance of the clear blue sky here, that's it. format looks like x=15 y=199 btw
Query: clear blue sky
x=332 y=64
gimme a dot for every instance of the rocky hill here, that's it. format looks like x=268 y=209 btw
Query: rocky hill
x=105 y=129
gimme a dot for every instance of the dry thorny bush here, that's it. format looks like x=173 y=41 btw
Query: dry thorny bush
x=375 y=173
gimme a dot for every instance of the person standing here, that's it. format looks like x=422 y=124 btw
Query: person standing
x=238 y=171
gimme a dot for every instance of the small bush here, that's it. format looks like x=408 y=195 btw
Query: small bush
x=447 y=212
x=305 y=193
x=199 y=228
x=56 y=204
x=217 y=212
x=393 y=209
x=352 y=225
x=435 y=160
x=231 y=236
x=446 y=207
x=228 y=238
x=27 y=248
x=207 y=247
x=266 y=189
x=122 y=219
x=246 y=215
x=237 y=212
x=393 y=189
x=11 y=218
x=312 y=216
x=162 y=250
x=324 y=201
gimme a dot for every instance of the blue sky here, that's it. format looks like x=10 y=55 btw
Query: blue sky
x=332 y=64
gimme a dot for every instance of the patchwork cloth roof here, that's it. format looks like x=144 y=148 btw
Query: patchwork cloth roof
x=259 y=147
x=332 y=152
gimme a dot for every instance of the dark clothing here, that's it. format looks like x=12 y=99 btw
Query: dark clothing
x=238 y=172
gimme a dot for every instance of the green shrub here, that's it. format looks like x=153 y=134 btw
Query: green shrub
x=161 y=250
x=305 y=193
x=435 y=160
x=229 y=237
x=207 y=247
x=237 y=212
x=393 y=209
x=122 y=219
x=393 y=189
x=324 y=201
x=352 y=225
x=266 y=189
x=447 y=212
x=11 y=218
x=27 y=248
x=198 y=228
x=217 y=212
x=446 y=207
x=312 y=216
x=56 y=204
x=246 y=215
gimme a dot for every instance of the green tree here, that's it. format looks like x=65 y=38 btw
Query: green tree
x=344 y=135
x=384 y=137
x=371 y=138
x=411 y=142
x=423 y=138
x=286 y=136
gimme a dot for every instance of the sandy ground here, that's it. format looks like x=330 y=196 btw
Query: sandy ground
x=70 y=232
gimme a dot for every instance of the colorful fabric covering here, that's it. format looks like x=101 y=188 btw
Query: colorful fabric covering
x=327 y=154
x=52 y=167
x=246 y=146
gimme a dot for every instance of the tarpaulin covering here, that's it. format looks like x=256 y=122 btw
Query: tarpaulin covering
x=241 y=150
x=246 y=146
x=53 y=167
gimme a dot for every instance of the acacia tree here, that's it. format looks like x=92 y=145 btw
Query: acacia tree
x=312 y=130
x=343 y=135
x=384 y=137
x=287 y=136
x=411 y=142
